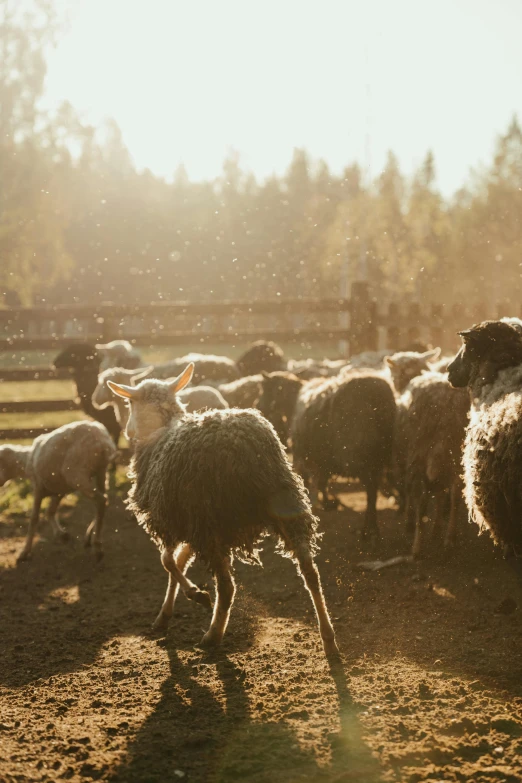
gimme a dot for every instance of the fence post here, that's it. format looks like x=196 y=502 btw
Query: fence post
x=363 y=326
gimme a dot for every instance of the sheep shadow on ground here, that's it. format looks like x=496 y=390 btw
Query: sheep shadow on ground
x=211 y=725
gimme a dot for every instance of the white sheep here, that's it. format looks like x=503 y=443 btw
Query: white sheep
x=196 y=398
x=211 y=485
x=118 y=353
x=72 y=458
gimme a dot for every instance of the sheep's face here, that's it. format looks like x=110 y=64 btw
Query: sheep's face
x=487 y=348
x=406 y=365
x=459 y=370
x=102 y=395
x=78 y=357
x=153 y=404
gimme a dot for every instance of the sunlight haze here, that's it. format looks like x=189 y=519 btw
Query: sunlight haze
x=188 y=81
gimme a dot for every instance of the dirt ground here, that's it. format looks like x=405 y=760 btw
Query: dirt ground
x=430 y=686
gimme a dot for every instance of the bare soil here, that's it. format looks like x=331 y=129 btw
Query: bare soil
x=429 y=689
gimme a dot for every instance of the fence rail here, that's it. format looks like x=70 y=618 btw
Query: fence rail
x=236 y=323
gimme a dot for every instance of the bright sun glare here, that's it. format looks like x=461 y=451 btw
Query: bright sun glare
x=347 y=80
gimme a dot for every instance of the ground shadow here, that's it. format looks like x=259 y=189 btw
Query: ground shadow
x=208 y=729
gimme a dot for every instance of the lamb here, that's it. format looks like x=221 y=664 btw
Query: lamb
x=489 y=363
x=83 y=359
x=207 y=368
x=340 y=426
x=118 y=353
x=72 y=458
x=262 y=356
x=195 y=399
x=431 y=427
x=211 y=485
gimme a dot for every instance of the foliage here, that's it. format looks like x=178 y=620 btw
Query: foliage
x=78 y=222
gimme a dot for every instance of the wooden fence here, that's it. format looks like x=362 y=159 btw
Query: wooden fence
x=304 y=321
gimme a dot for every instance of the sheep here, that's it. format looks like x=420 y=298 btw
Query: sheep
x=261 y=356
x=406 y=365
x=196 y=398
x=84 y=360
x=72 y=458
x=211 y=485
x=207 y=368
x=432 y=418
x=118 y=353
x=243 y=393
x=489 y=363
x=310 y=368
x=340 y=426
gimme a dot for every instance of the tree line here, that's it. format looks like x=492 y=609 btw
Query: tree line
x=79 y=222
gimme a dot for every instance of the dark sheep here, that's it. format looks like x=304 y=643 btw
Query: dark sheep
x=262 y=356
x=341 y=426
x=489 y=363
x=432 y=426
x=211 y=485
x=84 y=360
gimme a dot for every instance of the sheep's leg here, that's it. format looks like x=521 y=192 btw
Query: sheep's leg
x=183 y=557
x=225 y=590
x=312 y=580
x=94 y=531
x=455 y=503
x=177 y=576
x=421 y=507
x=52 y=516
x=370 y=519
x=33 y=524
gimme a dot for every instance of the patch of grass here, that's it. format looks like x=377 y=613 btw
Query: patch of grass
x=37 y=390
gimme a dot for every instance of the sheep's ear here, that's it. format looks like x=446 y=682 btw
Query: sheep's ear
x=182 y=380
x=390 y=361
x=121 y=390
x=433 y=354
x=142 y=374
x=100 y=347
x=465 y=333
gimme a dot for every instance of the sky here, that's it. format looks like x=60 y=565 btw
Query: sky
x=189 y=81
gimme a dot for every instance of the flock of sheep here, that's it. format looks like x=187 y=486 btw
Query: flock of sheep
x=210 y=440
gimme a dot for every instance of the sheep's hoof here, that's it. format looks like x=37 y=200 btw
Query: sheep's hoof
x=161 y=623
x=330 y=648
x=24 y=555
x=98 y=554
x=87 y=542
x=210 y=640
x=64 y=536
x=200 y=597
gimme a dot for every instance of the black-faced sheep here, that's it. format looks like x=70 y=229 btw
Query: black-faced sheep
x=72 y=458
x=262 y=356
x=489 y=363
x=84 y=360
x=340 y=426
x=432 y=419
x=210 y=485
